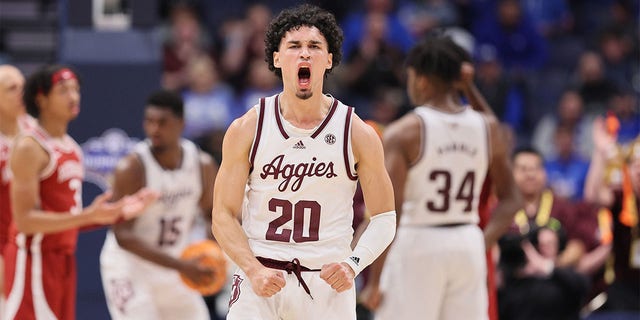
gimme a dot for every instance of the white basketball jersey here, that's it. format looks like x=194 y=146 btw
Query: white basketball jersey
x=301 y=186
x=444 y=185
x=167 y=223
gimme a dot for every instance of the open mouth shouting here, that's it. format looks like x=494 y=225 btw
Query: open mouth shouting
x=304 y=77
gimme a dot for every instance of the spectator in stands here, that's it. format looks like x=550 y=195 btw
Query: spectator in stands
x=569 y=113
x=243 y=42
x=520 y=47
x=551 y=17
x=596 y=228
x=624 y=105
x=260 y=82
x=594 y=88
x=422 y=16
x=186 y=39
x=541 y=206
x=376 y=62
x=622 y=200
x=209 y=103
x=567 y=170
x=356 y=26
x=533 y=288
x=506 y=97
x=618 y=55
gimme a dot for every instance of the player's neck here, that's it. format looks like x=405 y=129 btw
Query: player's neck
x=304 y=113
x=55 y=129
x=9 y=126
x=169 y=158
x=445 y=103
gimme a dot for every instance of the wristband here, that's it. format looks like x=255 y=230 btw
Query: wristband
x=374 y=240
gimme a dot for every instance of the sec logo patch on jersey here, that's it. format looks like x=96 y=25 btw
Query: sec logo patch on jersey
x=330 y=138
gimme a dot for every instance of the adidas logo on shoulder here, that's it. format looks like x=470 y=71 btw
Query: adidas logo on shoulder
x=299 y=145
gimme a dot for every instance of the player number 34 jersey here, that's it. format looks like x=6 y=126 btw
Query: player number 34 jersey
x=435 y=194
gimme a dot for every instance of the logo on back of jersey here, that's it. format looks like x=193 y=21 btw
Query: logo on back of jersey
x=294 y=173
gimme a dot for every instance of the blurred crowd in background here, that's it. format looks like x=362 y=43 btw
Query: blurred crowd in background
x=546 y=67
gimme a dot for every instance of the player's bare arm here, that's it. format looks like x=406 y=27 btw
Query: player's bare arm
x=471 y=91
x=228 y=196
x=509 y=199
x=373 y=177
x=378 y=196
x=209 y=169
x=401 y=147
x=28 y=160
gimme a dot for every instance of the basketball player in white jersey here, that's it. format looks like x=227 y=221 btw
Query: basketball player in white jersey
x=299 y=155
x=140 y=261
x=438 y=157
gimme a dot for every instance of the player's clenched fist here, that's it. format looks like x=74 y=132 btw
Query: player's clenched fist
x=266 y=281
x=338 y=275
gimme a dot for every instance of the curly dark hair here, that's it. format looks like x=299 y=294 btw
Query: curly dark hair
x=296 y=17
x=40 y=82
x=437 y=55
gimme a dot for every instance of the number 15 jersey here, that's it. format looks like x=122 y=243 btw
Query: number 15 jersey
x=301 y=186
x=443 y=186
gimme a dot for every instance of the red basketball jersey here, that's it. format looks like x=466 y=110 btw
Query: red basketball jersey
x=60 y=185
x=24 y=123
x=5 y=209
x=40 y=268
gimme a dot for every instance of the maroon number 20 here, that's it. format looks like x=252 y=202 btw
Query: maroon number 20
x=297 y=213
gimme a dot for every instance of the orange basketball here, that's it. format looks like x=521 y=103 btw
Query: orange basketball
x=209 y=254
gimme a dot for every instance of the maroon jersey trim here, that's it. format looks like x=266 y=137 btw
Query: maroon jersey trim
x=487 y=134
x=326 y=119
x=423 y=141
x=256 y=140
x=345 y=149
x=324 y=123
x=278 y=119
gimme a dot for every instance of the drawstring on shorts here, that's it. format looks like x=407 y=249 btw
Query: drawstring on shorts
x=290 y=267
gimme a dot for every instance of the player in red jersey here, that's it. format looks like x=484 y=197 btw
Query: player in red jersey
x=46 y=196
x=13 y=119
